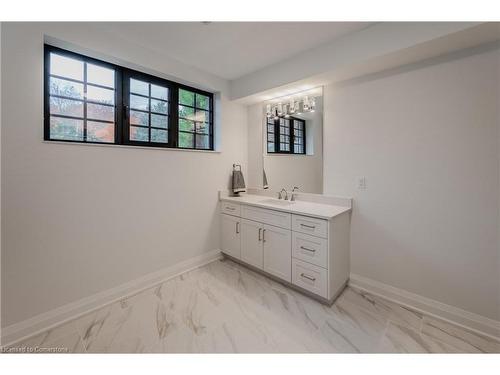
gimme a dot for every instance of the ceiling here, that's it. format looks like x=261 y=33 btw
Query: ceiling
x=232 y=49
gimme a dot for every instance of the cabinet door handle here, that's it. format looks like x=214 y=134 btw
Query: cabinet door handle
x=260 y=230
x=230 y=208
x=307 y=277
x=305 y=248
x=237 y=227
x=308 y=226
x=264 y=235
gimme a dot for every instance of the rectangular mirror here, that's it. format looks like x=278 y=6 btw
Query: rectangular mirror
x=293 y=142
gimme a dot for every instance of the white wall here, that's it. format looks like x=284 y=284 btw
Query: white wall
x=80 y=219
x=426 y=138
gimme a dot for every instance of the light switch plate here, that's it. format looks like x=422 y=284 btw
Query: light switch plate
x=361 y=183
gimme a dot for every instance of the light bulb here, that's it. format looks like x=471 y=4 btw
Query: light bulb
x=291 y=107
x=268 y=111
x=306 y=106
x=280 y=109
x=313 y=104
x=297 y=107
x=286 y=111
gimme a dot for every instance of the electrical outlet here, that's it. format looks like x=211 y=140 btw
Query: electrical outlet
x=361 y=183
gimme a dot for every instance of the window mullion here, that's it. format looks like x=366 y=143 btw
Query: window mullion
x=85 y=101
x=119 y=107
x=149 y=112
x=173 y=128
x=276 y=136
x=195 y=112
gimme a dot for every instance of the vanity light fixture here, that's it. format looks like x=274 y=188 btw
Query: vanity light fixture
x=295 y=106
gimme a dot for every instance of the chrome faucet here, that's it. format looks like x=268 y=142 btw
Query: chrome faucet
x=292 y=198
x=280 y=196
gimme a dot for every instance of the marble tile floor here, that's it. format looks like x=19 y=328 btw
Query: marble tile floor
x=224 y=308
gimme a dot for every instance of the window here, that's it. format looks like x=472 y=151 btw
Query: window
x=147 y=116
x=298 y=136
x=81 y=100
x=91 y=101
x=195 y=114
x=271 y=135
x=286 y=136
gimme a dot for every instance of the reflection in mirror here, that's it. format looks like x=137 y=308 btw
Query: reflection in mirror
x=293 y=142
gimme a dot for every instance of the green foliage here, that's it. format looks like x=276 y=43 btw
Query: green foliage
x=186 y=97
x=186 y=140
x=202 y=101
x=159 y=106
x=186 y=125
x=186 y=112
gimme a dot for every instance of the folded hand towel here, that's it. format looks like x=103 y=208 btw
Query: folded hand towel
x=238 y=182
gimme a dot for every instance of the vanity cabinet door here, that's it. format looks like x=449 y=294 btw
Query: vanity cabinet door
x=277 y=252
x=251 y=243
x=231 y=235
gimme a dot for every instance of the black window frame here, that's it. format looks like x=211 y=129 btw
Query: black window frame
x=291 y=134
x=122 y=110
x=132 y=74
x=210 y=115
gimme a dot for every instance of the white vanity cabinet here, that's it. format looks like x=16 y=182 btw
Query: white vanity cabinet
x=252 y=251
x=308 y=253
x=230 y=235
x=277 y=252
x=266 y=247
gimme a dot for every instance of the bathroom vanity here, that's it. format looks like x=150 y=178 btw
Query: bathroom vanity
x=301 y=243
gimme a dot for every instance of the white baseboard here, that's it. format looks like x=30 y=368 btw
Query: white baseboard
x=452 y=314
x=42 y=322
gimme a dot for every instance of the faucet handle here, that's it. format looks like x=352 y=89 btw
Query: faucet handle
x=280 y=196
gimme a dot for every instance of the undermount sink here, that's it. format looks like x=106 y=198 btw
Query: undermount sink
x=278 y=202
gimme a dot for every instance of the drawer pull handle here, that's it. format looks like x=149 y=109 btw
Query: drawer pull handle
x=305 y=248
x=260 y=230
x=307 y=277
x=237 y=227
x=308 y=226
x=230 y=208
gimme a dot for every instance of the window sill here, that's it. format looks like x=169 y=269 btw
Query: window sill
x=129 y=146
x=284 y=154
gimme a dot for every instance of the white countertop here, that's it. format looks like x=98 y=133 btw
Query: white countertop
x=319 y=210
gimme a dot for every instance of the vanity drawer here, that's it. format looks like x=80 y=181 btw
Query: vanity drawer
x=310 y=225
x=310 y=277
x=271 y=217
x=230 y=208
x=310 y=249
